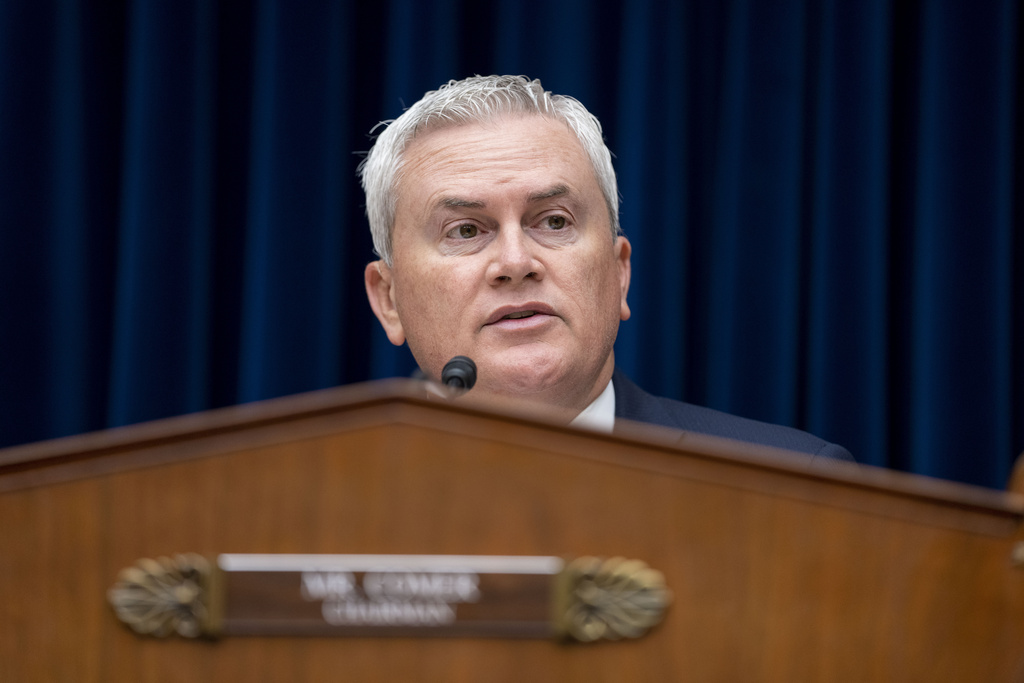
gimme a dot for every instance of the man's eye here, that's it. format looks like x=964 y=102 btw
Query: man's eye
x=556 y=222
x=468 y=231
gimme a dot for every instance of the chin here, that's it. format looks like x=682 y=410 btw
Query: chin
x=542 y=378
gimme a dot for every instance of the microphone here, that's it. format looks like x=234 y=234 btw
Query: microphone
x=459 y=373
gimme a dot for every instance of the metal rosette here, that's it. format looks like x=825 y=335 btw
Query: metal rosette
x=608 y=599
x=169 y=595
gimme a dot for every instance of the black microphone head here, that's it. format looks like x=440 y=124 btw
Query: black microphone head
x=459 y=373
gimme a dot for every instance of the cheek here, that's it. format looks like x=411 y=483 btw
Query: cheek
x=430 y=301
x=598 y=296
x=595 y=287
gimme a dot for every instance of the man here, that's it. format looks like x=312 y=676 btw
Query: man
x=494 y=208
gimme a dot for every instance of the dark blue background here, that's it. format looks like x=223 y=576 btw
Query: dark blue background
x=824 y=199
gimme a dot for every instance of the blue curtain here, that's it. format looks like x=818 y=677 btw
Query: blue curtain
x=824 y=199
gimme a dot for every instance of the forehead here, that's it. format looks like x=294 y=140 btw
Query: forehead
x=510 y=152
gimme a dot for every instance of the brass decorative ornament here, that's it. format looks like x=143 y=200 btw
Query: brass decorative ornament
x=164 y=596
x=609 y=599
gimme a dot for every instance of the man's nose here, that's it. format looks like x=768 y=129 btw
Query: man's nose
x=514 y=258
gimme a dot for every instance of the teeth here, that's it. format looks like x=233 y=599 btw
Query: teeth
x=520 y=314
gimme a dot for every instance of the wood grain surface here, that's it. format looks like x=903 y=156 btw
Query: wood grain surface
x=779 y=572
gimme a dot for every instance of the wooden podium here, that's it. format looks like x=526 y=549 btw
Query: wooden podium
x=778 y=571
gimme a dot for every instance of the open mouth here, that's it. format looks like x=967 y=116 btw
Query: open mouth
x=527 y=309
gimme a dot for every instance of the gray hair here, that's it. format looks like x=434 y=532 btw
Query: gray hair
x=474 y=99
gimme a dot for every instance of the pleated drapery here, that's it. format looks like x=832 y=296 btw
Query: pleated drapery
x=824 y=200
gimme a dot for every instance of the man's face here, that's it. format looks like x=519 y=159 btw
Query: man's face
x=503 y=252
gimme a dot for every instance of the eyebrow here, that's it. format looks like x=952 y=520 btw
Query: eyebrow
x=556 y=191
x=459 y=203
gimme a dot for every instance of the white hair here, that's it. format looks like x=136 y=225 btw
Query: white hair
x=471 y=100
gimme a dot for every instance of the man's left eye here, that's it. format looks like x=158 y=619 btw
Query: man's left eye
x=555 y=222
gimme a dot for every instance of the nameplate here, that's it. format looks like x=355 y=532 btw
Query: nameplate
x=390 y=595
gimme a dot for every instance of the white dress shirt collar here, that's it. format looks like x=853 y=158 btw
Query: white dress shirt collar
x=599 y=416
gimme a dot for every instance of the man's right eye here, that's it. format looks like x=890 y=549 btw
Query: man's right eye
x=467 y=231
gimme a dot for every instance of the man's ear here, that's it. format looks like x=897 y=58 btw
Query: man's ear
x=380 y=290
x=623 y=249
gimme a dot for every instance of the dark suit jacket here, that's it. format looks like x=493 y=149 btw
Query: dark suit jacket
x=633 y=403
